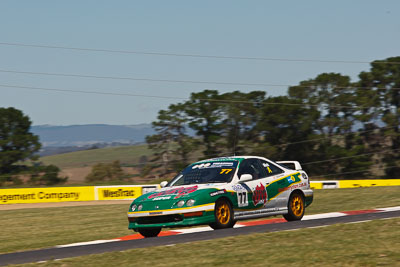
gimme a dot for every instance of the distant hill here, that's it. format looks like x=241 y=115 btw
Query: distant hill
x=91 y=134
x=127 y=155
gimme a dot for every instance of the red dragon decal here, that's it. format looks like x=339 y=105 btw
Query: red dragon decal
x=260 y=195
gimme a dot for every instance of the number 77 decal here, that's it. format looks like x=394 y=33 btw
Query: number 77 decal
x=225 y=171
x=242 y=199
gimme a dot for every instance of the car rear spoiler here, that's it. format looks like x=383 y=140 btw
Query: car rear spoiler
x=296 y=164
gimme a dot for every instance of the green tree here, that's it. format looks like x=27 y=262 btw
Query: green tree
x=45 y=175
x=240 y=112
x=206 y=118
x=171 y=144
x=105 y=172
x=283 y=123
x=378 y=96
x=329 y=123
x=17 y=143
x=333 y=95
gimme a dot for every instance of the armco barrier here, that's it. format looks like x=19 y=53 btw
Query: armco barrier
x=130 y=192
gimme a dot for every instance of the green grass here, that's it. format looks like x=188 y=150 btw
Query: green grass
x=125 y=154
x=362 y=244
x=328 y=200
x=44 y=227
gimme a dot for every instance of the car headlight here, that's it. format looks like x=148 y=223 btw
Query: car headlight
x=140 y=207
x=180 y=203
x=190 y=202
x=133 y=208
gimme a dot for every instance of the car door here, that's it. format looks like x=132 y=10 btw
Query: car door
x=256 y=188
x=277 y=194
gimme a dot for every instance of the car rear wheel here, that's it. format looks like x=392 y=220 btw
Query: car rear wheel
x=295 y=207
x=149 y=232
x=223 y=213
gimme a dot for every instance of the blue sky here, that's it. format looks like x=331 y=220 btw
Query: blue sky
x=357 y=30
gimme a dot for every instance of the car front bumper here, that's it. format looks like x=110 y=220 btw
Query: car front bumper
x=203 y=214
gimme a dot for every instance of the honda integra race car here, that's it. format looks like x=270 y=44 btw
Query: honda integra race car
x=220 y=191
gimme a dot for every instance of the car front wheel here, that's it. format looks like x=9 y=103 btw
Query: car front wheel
x=295 y=207
x=223 y=213
x=149 y=232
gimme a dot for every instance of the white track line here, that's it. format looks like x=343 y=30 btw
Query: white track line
x=88 y=243
x=359 y=222
x=323 y=216
x=201 y=229
x=389 y=209
x=193 y=230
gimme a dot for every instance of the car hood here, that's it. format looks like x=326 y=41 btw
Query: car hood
x=178 y=192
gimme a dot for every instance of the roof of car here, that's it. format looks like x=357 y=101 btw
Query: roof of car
x=239 y=158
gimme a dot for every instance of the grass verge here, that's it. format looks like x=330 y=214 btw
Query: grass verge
x=362 y=244
x=37 y=228
x=43 y=227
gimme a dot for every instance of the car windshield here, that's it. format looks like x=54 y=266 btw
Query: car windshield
x=207 y=172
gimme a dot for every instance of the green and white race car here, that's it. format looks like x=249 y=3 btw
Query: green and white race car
x=220 y=191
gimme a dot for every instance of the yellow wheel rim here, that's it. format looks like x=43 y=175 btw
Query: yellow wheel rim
x=223 y=213
x=297 y=205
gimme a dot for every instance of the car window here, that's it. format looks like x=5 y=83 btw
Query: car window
x=207 y=172
x=270 y=169
x=253 y=167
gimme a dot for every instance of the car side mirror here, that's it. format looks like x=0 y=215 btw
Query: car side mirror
x=163 y=184
x=245 y=177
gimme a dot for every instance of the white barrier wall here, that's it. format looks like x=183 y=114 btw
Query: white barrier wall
x=354 y=183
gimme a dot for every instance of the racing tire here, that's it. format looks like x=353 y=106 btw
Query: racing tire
x=149 y=232
x=296 y=207
x=223 y=214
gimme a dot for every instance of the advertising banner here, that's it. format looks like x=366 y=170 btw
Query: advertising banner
x=130 y=192
x=50 y=194
x=127 y=192
x=368 y=183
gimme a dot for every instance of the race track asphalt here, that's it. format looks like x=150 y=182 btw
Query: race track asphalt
x=68 y=252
